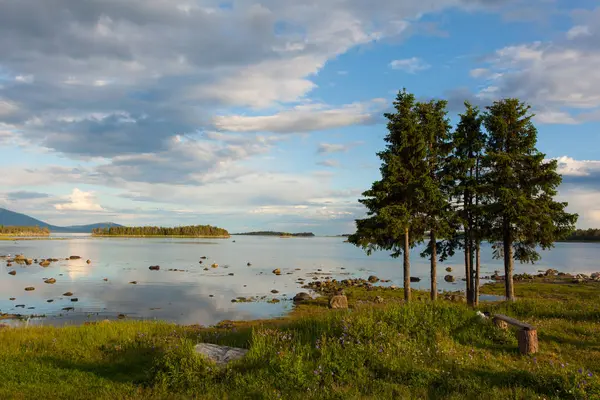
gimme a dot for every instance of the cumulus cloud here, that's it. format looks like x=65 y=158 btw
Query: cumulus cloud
x=80 y=201
x=302 y=118
x=411 y=65
x=542 y=73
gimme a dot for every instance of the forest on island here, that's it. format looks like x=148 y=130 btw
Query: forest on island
x=271 y=233
x=191 y=231
x=24 y=231
x=584 y=235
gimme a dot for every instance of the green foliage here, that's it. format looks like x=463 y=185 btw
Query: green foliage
x=191 y=231
x=24 y=231
x=520 y=185
x=393 y=201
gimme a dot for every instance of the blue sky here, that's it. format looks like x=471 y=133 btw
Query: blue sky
x=267 y=115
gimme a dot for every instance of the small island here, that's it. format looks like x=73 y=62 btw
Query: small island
x=272 y=233
x=192 y=231
x=23 y=231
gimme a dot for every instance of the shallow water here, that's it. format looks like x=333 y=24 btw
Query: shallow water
x=184 y=297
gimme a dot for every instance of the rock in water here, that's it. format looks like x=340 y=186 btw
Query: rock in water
x=302 y=296
x=373 y=279
x=277 y=271
x=50 y=281
x=12 y=273
x=74 y=258
x=45 y=263
x=154 y=268
x=449 y=269
x=221 y=355
x=449 y=278
x=215 y=265
x=88 y=261
x=339 y=301
x=415 y=279
x=29 y=288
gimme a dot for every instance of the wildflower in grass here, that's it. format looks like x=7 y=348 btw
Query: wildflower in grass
x=589 y=374
x=580 y=371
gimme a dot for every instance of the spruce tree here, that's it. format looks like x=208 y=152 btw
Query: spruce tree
x=395 y=202
x=468 y=142
x=521 y=213
x=435 y=128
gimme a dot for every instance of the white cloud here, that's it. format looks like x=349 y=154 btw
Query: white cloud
x=302 y=118
x=80 y=201
x=411 y=65
x=336 y=147
x=329 y=163
x=578 y=30
x=24 y=78
x=7 y=108
x=555 y=117
x=568 y=166
x=479 y=72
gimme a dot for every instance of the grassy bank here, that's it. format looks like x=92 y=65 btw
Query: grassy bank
x=386 y=350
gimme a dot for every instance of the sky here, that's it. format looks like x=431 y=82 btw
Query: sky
x=267 y=115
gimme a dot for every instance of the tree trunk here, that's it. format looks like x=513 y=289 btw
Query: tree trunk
x=468 y=269
x=508 y=263
x=433 y=243
x=477 y=271
x=406 y=266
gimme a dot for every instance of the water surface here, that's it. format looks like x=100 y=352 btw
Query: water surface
x=185 y=297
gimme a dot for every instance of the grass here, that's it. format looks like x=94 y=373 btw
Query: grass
x=389 y=350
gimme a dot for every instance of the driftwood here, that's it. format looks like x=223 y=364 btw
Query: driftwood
x=526 y=334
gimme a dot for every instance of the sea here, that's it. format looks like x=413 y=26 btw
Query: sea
x=183 y=292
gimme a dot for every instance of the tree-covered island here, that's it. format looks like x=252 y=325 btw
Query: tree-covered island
x=196 y=231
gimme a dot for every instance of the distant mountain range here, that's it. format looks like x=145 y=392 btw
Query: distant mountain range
x=11 y=218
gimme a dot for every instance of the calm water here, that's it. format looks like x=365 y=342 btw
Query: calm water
x=184 y=297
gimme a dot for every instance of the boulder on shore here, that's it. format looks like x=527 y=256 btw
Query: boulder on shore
x=373 y=279
x=302 y=296
x=339 y=301
x=221 y=355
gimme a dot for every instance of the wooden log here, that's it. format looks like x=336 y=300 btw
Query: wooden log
x=500 y=323
x=528 y=341
x=514 y=322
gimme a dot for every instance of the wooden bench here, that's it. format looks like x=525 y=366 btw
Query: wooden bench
x=526 y=334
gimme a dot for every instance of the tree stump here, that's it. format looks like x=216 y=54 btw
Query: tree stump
x=528 y=341
x=500 y=323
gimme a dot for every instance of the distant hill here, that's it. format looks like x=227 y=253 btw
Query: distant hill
x=11 y=218
x=271 y=233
